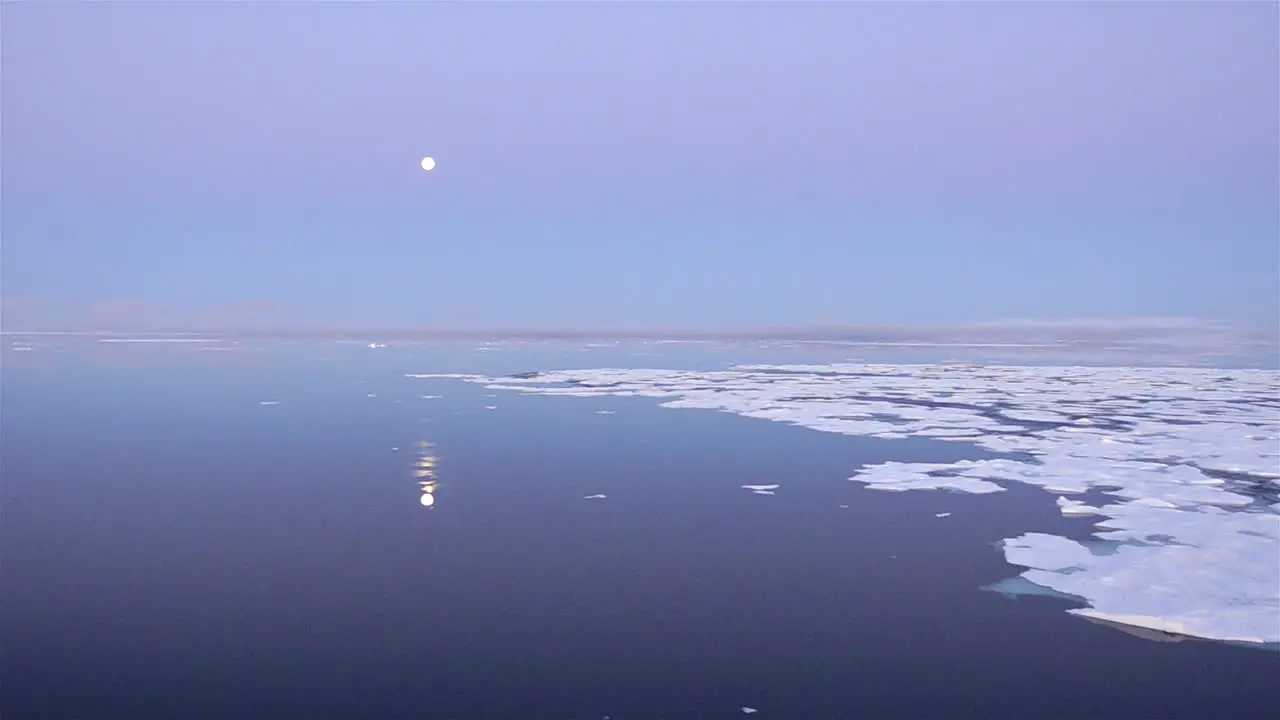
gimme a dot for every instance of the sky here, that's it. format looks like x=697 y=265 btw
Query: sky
x=656 y=164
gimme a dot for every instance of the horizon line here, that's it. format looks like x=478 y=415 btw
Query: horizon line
x=1105 y=326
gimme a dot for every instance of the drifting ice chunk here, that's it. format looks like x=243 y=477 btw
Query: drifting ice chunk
x=899 y=477
x=1075 y=507
x=1224 y=593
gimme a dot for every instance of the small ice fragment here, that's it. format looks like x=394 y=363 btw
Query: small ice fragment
x=395 y=448
x=749 y=710
x=372 y=395
x=432 y=397
x=941 y=514
x=762 y=492
x=760 y=487
x=604 y=412
x=844 y=506
x=490 y=407
x=597 y=496
x=1075 y=507
x=269 y=402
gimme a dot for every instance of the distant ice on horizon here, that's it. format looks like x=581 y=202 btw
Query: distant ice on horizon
x=1189 y=545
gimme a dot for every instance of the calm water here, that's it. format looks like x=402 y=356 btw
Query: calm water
x=173 y=548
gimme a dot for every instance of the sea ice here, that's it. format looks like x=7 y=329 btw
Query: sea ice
x=1188 y=542
x=1075 y=507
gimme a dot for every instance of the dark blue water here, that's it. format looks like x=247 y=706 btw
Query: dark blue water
x=174 y=549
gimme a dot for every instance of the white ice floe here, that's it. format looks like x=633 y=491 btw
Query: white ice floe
x=1075 y=507
x=597 y=496
x=897 y=477
x=761 y=488
x=269 y=402
x=1187 y=459
x=749 y=710
x=942 y=514
x=604 y=412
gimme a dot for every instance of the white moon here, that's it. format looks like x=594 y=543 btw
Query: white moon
x=428 y=163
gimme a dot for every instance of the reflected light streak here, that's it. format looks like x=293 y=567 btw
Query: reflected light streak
x=425 y=471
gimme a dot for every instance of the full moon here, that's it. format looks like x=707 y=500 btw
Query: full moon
x=428 y=163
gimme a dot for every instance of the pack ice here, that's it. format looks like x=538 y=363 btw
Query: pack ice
x=1187 y=543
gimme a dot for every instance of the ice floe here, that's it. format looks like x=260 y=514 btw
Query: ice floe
x=1075 y=507
x=1186 y=459
x=597 y=496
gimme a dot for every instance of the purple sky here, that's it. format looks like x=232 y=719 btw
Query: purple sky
x=605 y=164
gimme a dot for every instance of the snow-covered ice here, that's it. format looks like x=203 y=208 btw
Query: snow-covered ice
x=1188 y=459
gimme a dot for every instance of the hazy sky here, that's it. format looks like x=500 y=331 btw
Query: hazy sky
x=656 y=164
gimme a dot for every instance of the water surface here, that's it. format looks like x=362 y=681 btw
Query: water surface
x=175 y=548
